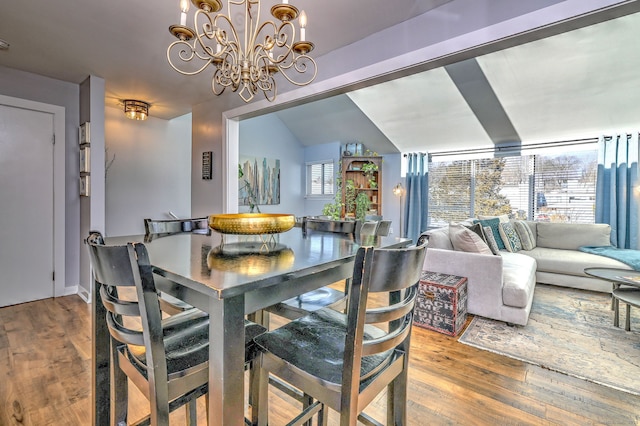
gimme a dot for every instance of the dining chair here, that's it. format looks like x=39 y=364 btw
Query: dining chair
x=342 y=360
x=303 y=304
x=369 y=228
x=306 y=303
x=155 y=228
x=161 y=227
x=384 y=227
x=167 y=359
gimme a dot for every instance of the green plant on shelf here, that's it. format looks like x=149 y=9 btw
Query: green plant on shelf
x=334 y=210
x=362 y=204
x=369 y=169
x=349 y=197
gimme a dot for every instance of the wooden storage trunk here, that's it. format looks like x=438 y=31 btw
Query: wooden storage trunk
x=442 y=302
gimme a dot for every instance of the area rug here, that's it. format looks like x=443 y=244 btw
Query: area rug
x=569 y=331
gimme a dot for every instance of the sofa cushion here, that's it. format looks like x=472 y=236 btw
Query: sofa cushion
x=477 y=228
x=503 y=218
x=439 y=238
x=518 y=275
x=527 y=239
x=490 y=240
x=510 y=237
x=570 y=262
x=464 y=239
x=570 y=236
x=494 y=224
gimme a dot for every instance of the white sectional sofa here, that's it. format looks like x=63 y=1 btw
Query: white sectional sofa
x=501 y=286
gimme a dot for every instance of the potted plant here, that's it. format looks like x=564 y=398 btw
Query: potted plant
x=369 y=170
x=349 y=198
x=362 y=204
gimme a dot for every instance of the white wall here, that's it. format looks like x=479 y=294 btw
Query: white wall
x=267 y=136
x=151 y=173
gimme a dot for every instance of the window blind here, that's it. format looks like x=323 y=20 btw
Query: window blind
x=554 y=186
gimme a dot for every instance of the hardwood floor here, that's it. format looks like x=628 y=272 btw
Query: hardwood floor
x=45 y=352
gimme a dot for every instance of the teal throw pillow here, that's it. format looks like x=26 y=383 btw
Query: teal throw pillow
x=494 y=224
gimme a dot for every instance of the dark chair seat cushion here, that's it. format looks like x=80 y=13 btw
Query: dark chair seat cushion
x=315 y=343
x=186 y=339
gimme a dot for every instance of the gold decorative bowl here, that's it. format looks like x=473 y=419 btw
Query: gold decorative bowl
x=251 y=223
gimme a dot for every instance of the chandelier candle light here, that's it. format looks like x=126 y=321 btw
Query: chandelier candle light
x=246 y=65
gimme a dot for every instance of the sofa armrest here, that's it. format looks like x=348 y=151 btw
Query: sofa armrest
x=483 y=272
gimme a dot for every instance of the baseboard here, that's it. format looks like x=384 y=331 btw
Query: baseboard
x=84 y=294
x=68 y=291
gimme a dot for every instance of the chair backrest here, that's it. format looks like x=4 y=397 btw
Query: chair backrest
x=198 y=225
x=384 y=226
x=119 y=267
x=369 y=228
x=374 y=217
x=392 y=271
x=348 y=227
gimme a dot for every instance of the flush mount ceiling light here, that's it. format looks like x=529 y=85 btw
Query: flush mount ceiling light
x=136 y=110
x=244 y=57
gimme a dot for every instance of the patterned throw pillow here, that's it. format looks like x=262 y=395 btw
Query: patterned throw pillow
x=526 y=236
x=494 y=225
x=491 y=241
x=510 y=237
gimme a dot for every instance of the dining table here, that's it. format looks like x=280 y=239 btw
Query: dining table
x=229 y=277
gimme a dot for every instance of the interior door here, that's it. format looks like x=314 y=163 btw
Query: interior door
x=26 y=205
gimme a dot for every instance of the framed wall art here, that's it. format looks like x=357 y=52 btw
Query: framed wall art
x=85 y=159
x=84 y=133
x=207 y=167
x=261 y=178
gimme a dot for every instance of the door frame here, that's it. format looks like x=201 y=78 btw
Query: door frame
x=59 y=189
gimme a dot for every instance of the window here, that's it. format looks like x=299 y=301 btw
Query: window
x=320 y=179
x=552 y=187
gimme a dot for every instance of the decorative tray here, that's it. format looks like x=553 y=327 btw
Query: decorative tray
x=251 y=223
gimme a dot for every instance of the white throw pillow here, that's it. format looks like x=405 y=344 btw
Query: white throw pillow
x=527 y=239
x=464 y=239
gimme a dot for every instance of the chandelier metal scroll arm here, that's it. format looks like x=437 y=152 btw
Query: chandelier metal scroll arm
x=186 y=55
x=300 y=64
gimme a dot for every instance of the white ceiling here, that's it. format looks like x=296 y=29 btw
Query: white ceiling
x=124 y=42
x=577 y=84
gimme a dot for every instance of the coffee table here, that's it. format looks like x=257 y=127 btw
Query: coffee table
x=618 y=278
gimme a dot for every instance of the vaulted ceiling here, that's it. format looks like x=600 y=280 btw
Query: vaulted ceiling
x=578 y=84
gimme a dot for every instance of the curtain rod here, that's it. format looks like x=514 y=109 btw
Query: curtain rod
x=515 y=148
x=421 y=153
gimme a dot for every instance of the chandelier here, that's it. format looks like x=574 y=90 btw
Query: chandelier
x=245 y=54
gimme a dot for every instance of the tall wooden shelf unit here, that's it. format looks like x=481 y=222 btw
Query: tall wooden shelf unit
x=352 y=170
